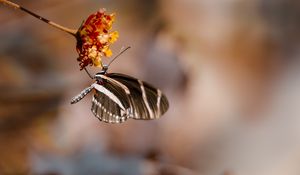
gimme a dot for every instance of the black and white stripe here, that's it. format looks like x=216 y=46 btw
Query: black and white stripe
x=119 y=97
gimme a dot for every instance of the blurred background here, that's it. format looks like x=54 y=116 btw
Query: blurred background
x=230 y=69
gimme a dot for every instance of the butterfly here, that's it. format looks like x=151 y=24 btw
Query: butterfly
x=118 y=97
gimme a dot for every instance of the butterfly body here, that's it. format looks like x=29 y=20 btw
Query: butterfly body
x=119 y=97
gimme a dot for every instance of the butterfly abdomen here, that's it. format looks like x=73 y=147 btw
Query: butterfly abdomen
x=82 y=94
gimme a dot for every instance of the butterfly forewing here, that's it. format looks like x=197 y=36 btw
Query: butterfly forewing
x=146 y=101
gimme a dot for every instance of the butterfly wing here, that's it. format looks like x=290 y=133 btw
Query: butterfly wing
x=119 y=97
x=145 y=101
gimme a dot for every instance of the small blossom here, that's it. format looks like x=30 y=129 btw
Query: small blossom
x=107 y=52
x=94 y=39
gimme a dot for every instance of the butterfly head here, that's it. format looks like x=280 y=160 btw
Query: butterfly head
x=102 y=72
x=104 y=69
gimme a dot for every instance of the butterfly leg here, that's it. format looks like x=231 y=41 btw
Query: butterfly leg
x=88 y=73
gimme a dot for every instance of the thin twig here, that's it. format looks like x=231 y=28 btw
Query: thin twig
x=16 y=6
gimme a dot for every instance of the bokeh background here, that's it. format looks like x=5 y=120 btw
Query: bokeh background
x=230 y=69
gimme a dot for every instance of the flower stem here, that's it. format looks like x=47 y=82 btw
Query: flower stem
x=16 y=6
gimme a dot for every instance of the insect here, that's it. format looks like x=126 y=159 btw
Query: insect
x=118 y=97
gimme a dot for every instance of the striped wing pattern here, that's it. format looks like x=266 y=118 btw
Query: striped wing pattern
x=127 y=97
x=107 y=106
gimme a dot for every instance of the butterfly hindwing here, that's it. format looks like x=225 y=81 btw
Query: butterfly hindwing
x=108 y=103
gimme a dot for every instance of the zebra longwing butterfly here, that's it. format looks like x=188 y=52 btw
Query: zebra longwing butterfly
x=118 y=97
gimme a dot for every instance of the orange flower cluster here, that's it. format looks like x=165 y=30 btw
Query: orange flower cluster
x=94 y=39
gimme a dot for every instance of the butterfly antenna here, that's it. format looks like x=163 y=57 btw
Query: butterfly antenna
x=17 y=6
x=120 y=53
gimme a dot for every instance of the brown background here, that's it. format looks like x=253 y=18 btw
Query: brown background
x=230 y=69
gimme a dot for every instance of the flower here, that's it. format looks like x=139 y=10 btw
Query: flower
x=94 y=39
